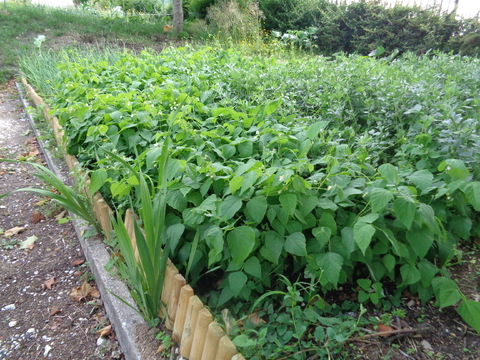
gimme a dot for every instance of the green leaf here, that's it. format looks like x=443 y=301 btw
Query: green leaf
x=369 y=218
x=389 y=172
x=215 y=242
x=174 y=233
x=446 y=291
x=252 y=267
x=274 y=245
x=389 y=262
x=241 y=241
x=422 y=179
x=470 y=312
x=237 y=281
x=257 y=207
x=331 y=263
x=472 y=191
x=456 y=169
x=420 y=239
x=410 y=274
x=428 y=271
x=365 y=284
x=322 y=234
x=315 y=128
x=380 y=198
x=244 y=341
x=289 y=203
x=362 y=233
x=272 y=106
x=97 y=179
x=404 y=211
x=229 y=207
x=235 y=184
x=177 y=200
x=295 y=244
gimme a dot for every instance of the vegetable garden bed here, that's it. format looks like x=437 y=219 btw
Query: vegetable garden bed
x=286 y=179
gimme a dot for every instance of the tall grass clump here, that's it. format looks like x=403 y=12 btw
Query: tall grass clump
x=71 y=200
x=145 y=274
x=239 y=22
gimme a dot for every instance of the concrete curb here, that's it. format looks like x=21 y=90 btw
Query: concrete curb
x=123 y=317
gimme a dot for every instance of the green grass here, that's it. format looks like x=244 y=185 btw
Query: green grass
x=20 y=24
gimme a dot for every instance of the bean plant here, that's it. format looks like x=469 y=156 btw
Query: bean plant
x=345 y=170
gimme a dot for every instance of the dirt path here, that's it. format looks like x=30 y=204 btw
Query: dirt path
x=39 y=317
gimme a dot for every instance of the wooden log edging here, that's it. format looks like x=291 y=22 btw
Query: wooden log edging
x=192 y=325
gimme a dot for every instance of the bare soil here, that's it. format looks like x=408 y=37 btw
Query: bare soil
x=39 y=318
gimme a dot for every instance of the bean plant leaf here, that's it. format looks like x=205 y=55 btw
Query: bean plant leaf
x=363 y=233
x=472 y=191
x=241 y=241
x=97 y=179
x=455 y=168
x=274 y=245
x=422 y=179
x=380 y=198
x=235 y=184
x=446 y=291
x=404 y=211
x=410 y=274
x=257 y=207
x=237 y=281
x=174 y=233
x=229 y=207
x=390 y=173
x=420 y=239
x=331 y=263
x=295 y=244
x=315 y=128
x=289 y=203
x=470 y=312
x=252 y=266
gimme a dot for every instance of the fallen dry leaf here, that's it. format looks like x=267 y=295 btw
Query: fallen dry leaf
x=55 y=311
x=78 y=262
x=14 y=231
x=255 y=319
x=105 y=331
x=49 y=283
x=95 y=294
x=84 y=291
x=384 y=328
x=160 y=349
x=37 y=216
x=29 y=243
x=60 y=216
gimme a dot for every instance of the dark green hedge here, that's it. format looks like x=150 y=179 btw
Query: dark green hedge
x=363 y=26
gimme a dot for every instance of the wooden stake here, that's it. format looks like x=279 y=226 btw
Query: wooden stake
x=238 y=357
x=185 y=294
x=178 y=283
x=204 y=319
x=194 y=306
x=104 y=217
x=214 y=334
x=131 y=232
x=170 y=272
x=226 y=349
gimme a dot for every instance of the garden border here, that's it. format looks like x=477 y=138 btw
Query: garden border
x=192 y=325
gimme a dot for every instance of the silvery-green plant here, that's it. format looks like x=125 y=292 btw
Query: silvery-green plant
x=38 y=41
